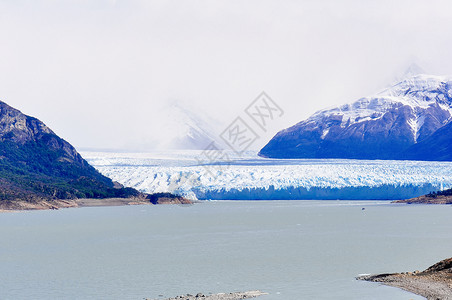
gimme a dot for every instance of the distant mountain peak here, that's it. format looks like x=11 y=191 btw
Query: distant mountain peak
x=18 y=127
x=184 y=127
x=413 y=69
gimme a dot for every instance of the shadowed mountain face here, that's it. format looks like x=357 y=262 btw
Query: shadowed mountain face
x=37 y=164
x=438 y=146
x=383 y=126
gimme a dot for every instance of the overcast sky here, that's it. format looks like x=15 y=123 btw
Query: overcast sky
x=98 y=72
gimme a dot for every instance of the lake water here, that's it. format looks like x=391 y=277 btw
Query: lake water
x=290 y=249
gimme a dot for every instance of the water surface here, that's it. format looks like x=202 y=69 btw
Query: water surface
x=290 y=249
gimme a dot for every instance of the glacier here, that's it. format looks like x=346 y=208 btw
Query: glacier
x=250 y=177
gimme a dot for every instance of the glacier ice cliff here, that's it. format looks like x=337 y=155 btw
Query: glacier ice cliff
x=254 y=178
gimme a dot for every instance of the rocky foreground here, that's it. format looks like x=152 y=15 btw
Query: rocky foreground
x=433 y=283
x=221 y=296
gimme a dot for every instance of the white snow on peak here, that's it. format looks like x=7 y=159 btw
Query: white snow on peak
x=419 y=92
x=364 y=109
x=417 y=87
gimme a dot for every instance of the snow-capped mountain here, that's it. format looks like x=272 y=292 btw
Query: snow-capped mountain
x=182 y=128
x=382 y=126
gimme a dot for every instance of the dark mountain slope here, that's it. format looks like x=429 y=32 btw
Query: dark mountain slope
x=437 y=147
x=36 y=164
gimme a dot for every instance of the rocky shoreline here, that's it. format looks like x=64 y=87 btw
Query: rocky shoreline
x=22 y=205
x=221 y=296
x=427 y=200
x=434 y=283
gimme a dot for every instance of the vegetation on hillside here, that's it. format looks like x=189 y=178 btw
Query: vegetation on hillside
x=440 y=193
x=43 y=169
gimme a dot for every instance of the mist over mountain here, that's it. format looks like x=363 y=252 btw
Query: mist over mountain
x=181 y=126
x=411 y=70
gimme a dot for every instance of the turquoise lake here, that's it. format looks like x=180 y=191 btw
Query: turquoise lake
x=290 y=249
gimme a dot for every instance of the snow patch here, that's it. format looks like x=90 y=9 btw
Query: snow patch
x=325 y=133
x=416 y=123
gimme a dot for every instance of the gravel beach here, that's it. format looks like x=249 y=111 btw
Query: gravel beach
x=221 y=296
x=433 y=283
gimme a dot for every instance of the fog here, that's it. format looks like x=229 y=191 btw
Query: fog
x=100 y=72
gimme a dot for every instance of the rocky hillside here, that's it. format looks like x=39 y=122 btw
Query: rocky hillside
x=383 y=126
x=440 y=197
x=36 y=164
